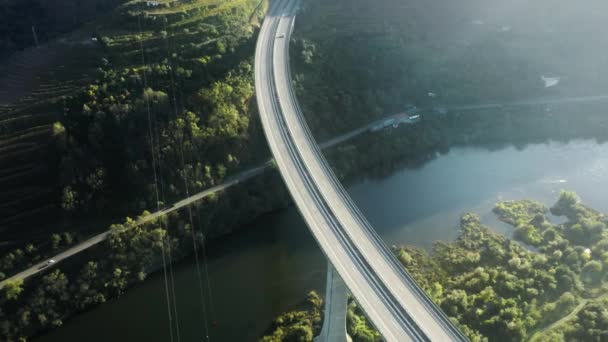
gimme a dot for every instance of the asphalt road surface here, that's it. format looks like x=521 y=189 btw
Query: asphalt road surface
x=398 y=308
x=101 y=237
x=239 y=178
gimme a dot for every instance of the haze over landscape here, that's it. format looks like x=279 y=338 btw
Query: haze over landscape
x=160 y=178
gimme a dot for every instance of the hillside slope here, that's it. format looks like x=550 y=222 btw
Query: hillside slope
x=76 y=113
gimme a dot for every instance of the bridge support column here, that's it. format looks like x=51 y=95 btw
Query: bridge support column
x=334 y=322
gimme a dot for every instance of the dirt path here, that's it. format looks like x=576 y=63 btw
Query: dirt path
x=555 y=324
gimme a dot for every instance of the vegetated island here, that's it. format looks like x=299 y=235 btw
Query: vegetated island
x=499 y=289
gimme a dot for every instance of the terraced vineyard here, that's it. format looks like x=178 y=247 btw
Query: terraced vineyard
x=146 y=105
x=191 y=26
x=33 y=86
x=45 y=91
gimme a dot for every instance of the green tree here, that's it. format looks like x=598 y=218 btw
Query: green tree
x=591 y=323
x=592 y=272
x=12 y=289
x=69 y=199
x=528 y=234
x=566 y=205
x=88 y=286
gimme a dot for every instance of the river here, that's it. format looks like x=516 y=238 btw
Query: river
x=268 y=267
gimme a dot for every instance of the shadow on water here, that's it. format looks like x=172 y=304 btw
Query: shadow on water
x=267 y=268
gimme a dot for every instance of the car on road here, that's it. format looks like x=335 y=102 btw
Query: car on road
x=47 y=264
x=281 y=36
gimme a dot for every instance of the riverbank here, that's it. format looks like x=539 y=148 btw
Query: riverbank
x=278 y=262
x=496 y=289
x=267 y=193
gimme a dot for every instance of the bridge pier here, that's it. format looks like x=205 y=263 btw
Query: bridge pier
x=334 y=322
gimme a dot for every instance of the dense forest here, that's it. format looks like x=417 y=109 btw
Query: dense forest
x=137 y=104
x=360 y=59
x=171 y=96
x=499 y=290
x=588 y=324
x=381 y=153
x=304 y=323
x=166 y=109
x=131 y=252
x=218 y=216
x=190 y=64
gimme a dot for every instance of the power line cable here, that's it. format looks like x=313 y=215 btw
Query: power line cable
x=186 y=187
x=154 y=163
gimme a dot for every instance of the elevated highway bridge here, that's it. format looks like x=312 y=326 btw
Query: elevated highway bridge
x=392 y=300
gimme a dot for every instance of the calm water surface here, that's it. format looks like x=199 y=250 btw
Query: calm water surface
x=268 y=267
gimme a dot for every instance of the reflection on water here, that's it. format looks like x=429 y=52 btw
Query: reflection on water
x=268 y=267
x=421 y=206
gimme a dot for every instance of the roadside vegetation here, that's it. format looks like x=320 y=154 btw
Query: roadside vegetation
x=166 y=110
x=587 y=324
x=174 y=96
x=306 y=322
x=360 y=59
x=148 y=89
x=161 y=94
x=357 y=61
x=126 y=258
x=20 y=259
x=299 y=325
x=497 y=290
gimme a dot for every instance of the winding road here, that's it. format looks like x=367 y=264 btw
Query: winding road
x=41 y=266
x=392 y=300
x=238 y=178
x=398 y=308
